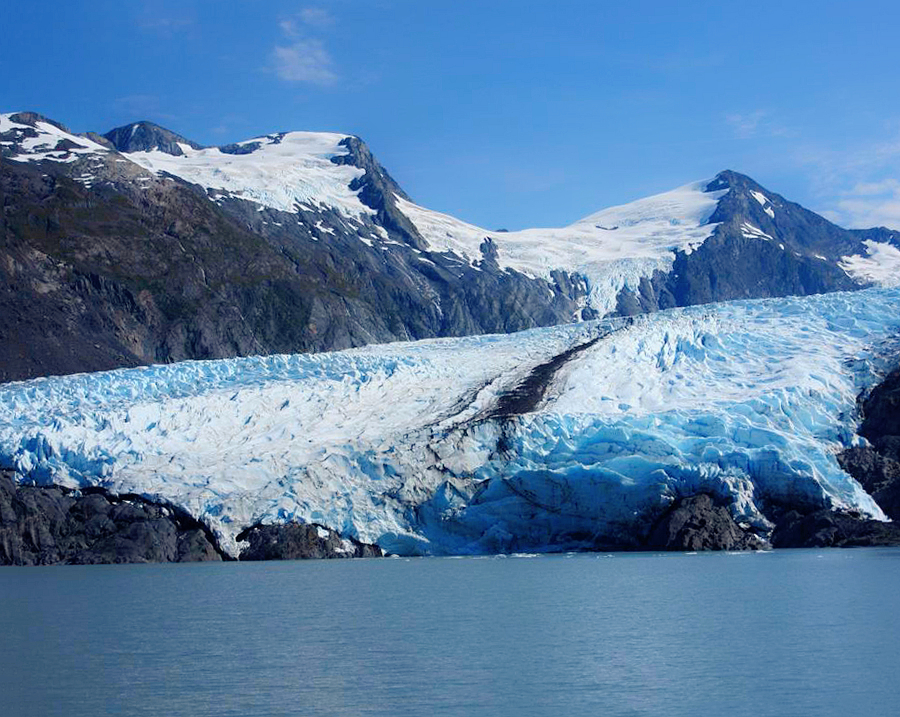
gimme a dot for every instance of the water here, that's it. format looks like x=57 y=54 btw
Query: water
x=785 y=633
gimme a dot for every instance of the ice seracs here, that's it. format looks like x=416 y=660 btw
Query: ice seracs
x=401 y=444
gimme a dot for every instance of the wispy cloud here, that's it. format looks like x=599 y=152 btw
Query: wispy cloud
x=166 y=25
x=304 y=57
x=164 y=18
x=856 y=163
x=678 y=63
x=289 y=27
x=758 y=123
x=304 y=61
x=229 y=124
x=316 y=17
x=872 y=204
x=860 y=182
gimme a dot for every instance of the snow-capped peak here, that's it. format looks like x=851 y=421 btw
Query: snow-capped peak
x=613 y=248
x=281 y=171
x=33 y=138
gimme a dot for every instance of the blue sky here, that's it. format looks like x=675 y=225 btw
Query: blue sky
x=505 y=114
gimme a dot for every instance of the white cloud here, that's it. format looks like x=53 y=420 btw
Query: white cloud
x=316 y=17
x=304 y=58
x=164 y=17
x=872 y=204
x=745 y=125
x=304 y=61
x=865 y=189
x=289 y=27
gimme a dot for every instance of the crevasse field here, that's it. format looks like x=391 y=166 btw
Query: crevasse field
x=403 y=444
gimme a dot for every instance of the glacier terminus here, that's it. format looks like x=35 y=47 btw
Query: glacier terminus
x=569 y=437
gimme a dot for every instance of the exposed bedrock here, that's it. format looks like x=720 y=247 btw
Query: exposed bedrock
x=830 y=529
x=47 y=525
x=129 y=273
x=877 y=465
x=300 y=541
x=697 y=523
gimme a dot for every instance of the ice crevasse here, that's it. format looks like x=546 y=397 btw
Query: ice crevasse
x=412 y=446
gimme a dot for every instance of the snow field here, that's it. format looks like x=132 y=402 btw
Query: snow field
x=613 y=249
x=285 y=171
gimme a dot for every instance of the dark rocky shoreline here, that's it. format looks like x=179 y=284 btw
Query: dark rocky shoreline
x=51 y=525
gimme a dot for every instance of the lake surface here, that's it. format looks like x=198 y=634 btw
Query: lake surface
x=805 y=632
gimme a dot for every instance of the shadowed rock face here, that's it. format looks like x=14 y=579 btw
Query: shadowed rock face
x=146 y=137
x=48 y=525
x=799 y=258
x=877 y=466
x=138 y=269
x=697 y=523
x=878 y=473
x=828 y=529
x=299 y=541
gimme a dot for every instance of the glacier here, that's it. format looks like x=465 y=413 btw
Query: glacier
x=416 y=447
x=613 y=249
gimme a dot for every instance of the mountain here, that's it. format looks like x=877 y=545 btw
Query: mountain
x=598 y=435
x=140 y=246
x=148 y=137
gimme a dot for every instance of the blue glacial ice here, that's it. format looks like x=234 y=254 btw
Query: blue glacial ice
x=400 y=444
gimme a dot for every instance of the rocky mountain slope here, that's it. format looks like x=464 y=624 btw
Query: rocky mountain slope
x=140 y=246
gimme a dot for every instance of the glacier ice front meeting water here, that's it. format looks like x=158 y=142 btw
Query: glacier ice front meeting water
x=404 y=445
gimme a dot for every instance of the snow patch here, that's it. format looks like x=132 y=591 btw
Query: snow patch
x=320 y=226
x=764 y=203
x=759 y=197
x=751 y=232
x=881 y=266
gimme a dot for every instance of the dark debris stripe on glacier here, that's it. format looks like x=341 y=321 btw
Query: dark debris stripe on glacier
x=528 y=394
